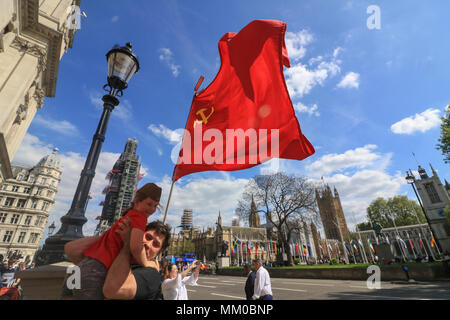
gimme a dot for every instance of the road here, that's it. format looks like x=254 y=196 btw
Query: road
x=215 y=287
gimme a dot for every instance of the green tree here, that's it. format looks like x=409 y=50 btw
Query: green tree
x=399 y=208
x=444 y=140
x=447 y=213
x=287 y=202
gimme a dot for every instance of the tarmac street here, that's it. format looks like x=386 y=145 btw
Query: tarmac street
x=216 y=287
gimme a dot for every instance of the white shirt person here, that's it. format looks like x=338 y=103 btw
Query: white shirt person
x=174 y=284
x=263 y=288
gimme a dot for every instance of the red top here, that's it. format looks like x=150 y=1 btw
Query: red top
x=109 y=245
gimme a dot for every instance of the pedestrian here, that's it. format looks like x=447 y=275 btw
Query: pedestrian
x=263 y=288
x=136 y=282
x=174 y=284
x=9 y=283
x=100 y=252
x=250 y=283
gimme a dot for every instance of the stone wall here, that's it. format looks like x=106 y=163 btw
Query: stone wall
x=388 y=273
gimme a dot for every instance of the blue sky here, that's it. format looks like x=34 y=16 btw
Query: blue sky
x=365 y=98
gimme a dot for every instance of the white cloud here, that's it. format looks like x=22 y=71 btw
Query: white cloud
x=359 y=176
x=350 y=80
x=357 y=191
x=357 y=158
x=422 y=122
x=172 y=136
x=63 y=127
x=300 y=107
x=167 y=56
x=300 y=79
x=296 y=42
x=115 y=19
x=206 y=197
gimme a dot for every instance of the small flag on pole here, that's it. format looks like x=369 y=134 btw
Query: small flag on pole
x=433 y=244
x=403 y=242
x=370 y=245
x=347 y=247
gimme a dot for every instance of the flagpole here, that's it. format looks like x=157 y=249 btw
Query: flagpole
x=398 y=234
x=362 y=245
x=168 y=201
x=410 y=242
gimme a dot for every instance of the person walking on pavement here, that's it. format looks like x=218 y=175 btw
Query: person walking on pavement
x=250 y=283
x=263 y=288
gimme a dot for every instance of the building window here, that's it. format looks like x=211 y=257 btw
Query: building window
x=19 y=177
x=26 y=190
x=21 y=237
x=9 y=202
x=7 y=236
x=43 y=180
x=21 y=203
x=39 y=191
x=49 y=193
x=15 y=188
x=14 y=219
x=34 y=204
x=28 y=220
x=38 y=221
x=33 y=237
x=4 y=186
x=3 y=217
x=431 y=191
x=44 y=206
x=32 y=179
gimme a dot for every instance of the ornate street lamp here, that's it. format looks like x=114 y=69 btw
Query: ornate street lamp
x=51 y=228
x=122 y=65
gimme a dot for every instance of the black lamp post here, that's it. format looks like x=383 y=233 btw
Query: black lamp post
x=51 y=228
x=122 y=65
x=411 y=180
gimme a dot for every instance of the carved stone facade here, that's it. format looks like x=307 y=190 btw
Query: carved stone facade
x=25 y=203
x=34 y=35
x=435 y=197
x=332 y=215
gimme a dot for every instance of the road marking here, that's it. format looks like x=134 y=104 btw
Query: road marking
x=224 y=295
x=190 y=290
x=385 y=297
x=233 y=281
x=225 y=284
x=289 y=289
x=200 y=285
x=310 y=284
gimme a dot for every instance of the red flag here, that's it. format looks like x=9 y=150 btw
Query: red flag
x=412 y=245
x=433 y=243
x=420 y=244
x=248 y=101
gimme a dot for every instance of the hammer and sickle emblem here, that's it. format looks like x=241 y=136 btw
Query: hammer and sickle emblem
x=204 y=118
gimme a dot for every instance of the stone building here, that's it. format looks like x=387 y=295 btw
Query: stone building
x=25 y=203
x=123 y=179
x=435 y=197
x=34 y=35
x=331 y=214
